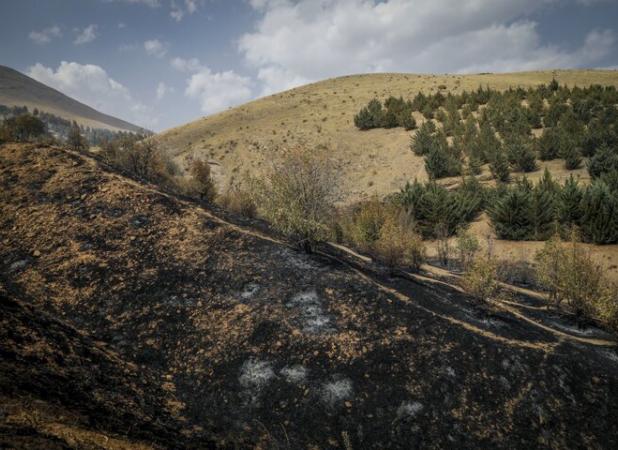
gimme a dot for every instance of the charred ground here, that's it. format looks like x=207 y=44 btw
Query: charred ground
x=261 y=344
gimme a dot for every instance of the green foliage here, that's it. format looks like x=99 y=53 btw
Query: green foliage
x=511 y=214
x=442 y=160
x=571 y=154
x=396 y=113
x=499 y=167
x=548 y=145
x=23 y=128
x=604 y=160
x=422 y=141
x=600 y=214
x=297 y=195
x=520 y=153
x=569 y=204
x=432 y=207
x=371 y=116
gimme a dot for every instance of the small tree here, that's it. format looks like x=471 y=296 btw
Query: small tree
x=467 y=247
x=499 y=167
x=399 y=243
x=23 y=128
x=205 y=187
x=481 y=280
x=75 y=140
x=297 y=196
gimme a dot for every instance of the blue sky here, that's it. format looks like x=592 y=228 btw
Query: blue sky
x=161 y=63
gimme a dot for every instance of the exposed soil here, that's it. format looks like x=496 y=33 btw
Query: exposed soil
x=260 y=344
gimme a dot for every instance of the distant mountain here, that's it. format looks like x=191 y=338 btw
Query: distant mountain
x=17 y=89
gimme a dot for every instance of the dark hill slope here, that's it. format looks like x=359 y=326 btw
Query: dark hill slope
x=17 y=89
x=293 y=351
x=59 y=389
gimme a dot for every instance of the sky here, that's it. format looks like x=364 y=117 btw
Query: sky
x=162 y=63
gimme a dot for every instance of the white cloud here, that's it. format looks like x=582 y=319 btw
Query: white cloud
x=218 y=90
x=155 y=47
x=46 y=35
x=296 y=41
x=86 y=35
x=163 y=90
x=90 y=84
x=151 y=3
x=186 y=65
x=178 y=10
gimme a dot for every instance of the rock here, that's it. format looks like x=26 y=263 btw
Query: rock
x=36 y=253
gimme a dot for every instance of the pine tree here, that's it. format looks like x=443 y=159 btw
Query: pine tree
x=569 y=204
x=548 y=145
x=422 y=141
x=571 y=154
x=511 y=216
x=499 y=167
x=604 y=160
x=600 y=214
x=543 y=211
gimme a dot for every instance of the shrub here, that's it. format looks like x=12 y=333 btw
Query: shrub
x=366 y=220
x=467 y=247
x=571 y=154
x=481 y=280
x=204 y=185
x=371 y=116
x=297 y=196
x=399 y=243
x=570 y=275
x=548 y=145
x=238 y=200
x=520 y=153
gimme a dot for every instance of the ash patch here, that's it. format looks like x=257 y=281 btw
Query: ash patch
x=296 y=260
x=311 y=315
x=409 y=409
x=336 y=391
x=254 y=376
x=296 y=374
x=249 y=291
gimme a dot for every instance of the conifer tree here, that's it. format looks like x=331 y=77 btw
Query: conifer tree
x=569 y=204
x=604 y=160
x=600 y=214
x=510 y=214
x=422 y=141
x=499 y=167
x=543 y=211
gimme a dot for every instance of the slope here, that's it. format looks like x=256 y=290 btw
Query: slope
x=288 y=350
x=377 y=161
x=17 y=89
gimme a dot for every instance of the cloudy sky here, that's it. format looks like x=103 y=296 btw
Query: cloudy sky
x=160 y=63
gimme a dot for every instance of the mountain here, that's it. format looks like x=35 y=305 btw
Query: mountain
x=127 y=312
x=17 y=89
x=377 y=161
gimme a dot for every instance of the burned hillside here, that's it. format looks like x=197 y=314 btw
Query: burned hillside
x=260 y=344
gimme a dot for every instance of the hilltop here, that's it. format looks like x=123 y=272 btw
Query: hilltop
x=377 y=161
x=17 y=89
x=254 y=342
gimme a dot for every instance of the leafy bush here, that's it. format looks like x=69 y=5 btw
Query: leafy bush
x=481 y=280
x=399 y=243
x=238 y=200
x=467 y=247
x=570 y=275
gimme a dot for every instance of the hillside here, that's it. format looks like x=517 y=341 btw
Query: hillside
x=17 y=89
x=258 y=343
x=377 y=161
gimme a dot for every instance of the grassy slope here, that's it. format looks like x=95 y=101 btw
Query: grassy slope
x=376 y=161
x=370 y=162
x=16 y=89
